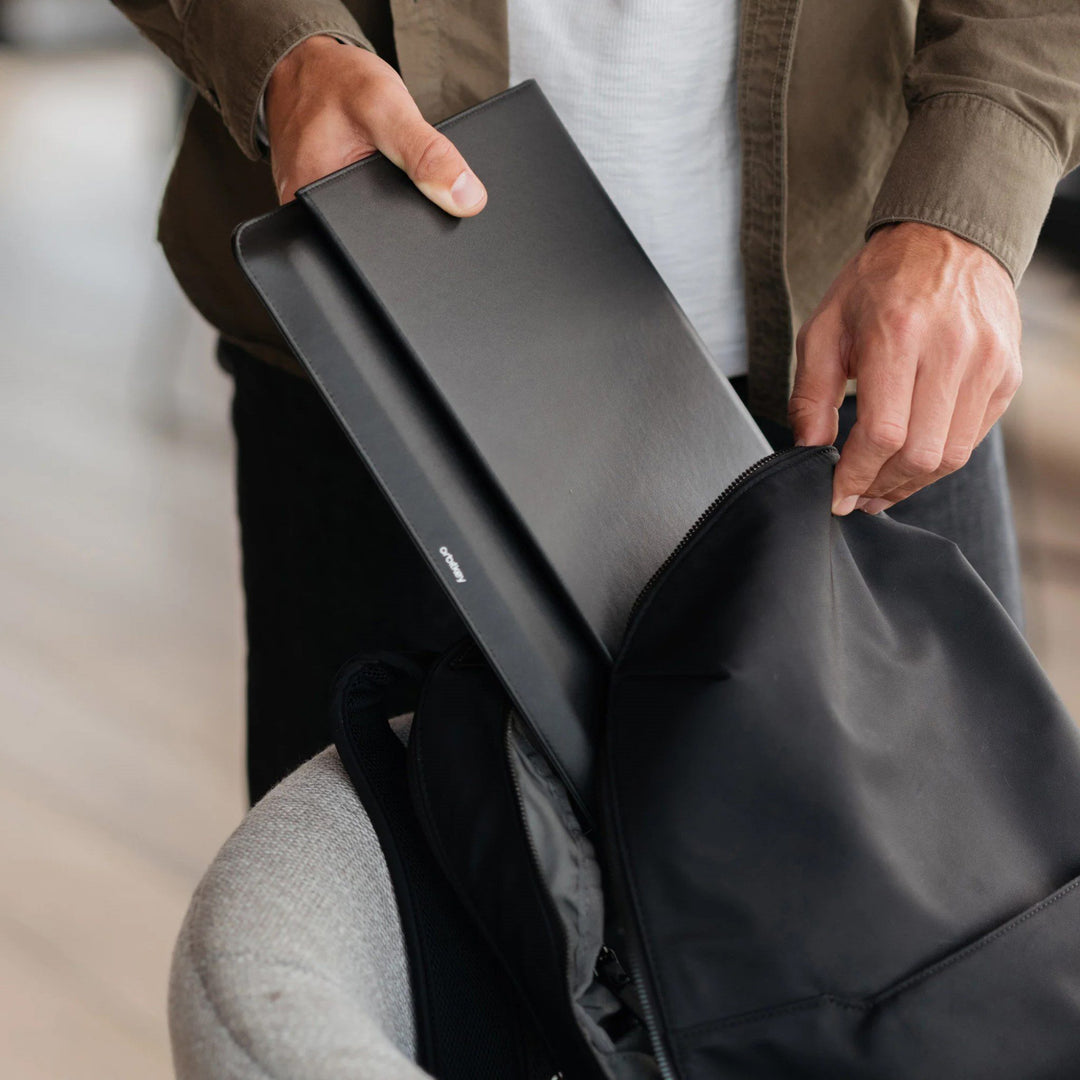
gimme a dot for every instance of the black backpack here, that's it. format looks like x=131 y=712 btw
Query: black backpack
x=838 y=816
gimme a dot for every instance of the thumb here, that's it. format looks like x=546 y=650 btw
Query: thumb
x=435 y=166
x=820 y=380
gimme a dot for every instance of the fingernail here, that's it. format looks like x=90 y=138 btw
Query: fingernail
x=875 y=506
x=466 y=190
x=844 y=506
x=800 y=441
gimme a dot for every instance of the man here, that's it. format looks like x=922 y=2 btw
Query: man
x=872 y=171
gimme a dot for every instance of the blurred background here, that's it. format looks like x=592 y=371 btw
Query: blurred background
x=121 y=652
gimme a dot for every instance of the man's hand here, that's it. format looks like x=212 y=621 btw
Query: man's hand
x=929 y=325
x=329 y=104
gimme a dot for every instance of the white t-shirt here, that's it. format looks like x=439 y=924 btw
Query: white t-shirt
x=647 y=90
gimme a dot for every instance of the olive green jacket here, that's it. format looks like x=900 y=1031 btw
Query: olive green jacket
x=852 y=113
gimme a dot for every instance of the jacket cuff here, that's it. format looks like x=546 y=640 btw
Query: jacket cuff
x=235 y=44
x=972 y=166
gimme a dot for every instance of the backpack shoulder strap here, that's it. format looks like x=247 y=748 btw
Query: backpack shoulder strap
x=470 y=1024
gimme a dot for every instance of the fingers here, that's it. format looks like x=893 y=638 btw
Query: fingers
x=429 y=159
x=961 y=437
x=934 y=416
x=1003 y=394
x=820 y=379
x=886 y=371
x=971 y=422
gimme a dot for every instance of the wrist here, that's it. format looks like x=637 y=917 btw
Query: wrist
x=311 y=49
x=932 y=242
x=918 y=232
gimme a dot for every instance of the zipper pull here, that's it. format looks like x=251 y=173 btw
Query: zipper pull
x=609 y=970
x=610 y=973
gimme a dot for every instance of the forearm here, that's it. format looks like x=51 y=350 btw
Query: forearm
x=228 y=48
x=993 y=93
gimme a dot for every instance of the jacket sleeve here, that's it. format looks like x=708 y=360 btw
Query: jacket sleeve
x=993 y=96
x=227 y=48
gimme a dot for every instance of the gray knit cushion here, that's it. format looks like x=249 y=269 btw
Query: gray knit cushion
x=290 y=963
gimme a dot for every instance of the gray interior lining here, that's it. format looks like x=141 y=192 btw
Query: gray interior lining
x=571 y=871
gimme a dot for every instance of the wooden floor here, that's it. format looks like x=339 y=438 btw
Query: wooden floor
x=120 y=634
x=120 y=615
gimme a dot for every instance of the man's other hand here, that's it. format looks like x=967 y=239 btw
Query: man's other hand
x=929 y=325
x=329 y=104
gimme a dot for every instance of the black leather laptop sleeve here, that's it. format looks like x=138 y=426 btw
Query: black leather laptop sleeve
x=523 y=386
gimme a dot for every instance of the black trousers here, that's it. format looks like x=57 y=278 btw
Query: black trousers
x=329 y=572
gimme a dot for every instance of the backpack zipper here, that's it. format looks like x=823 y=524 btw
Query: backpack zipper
x=652 y=1028
x=707 y=513
x=633 y=965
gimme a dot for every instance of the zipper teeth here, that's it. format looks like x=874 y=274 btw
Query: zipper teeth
x=652 y=1028
x=700 y=521
x=634 y=964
